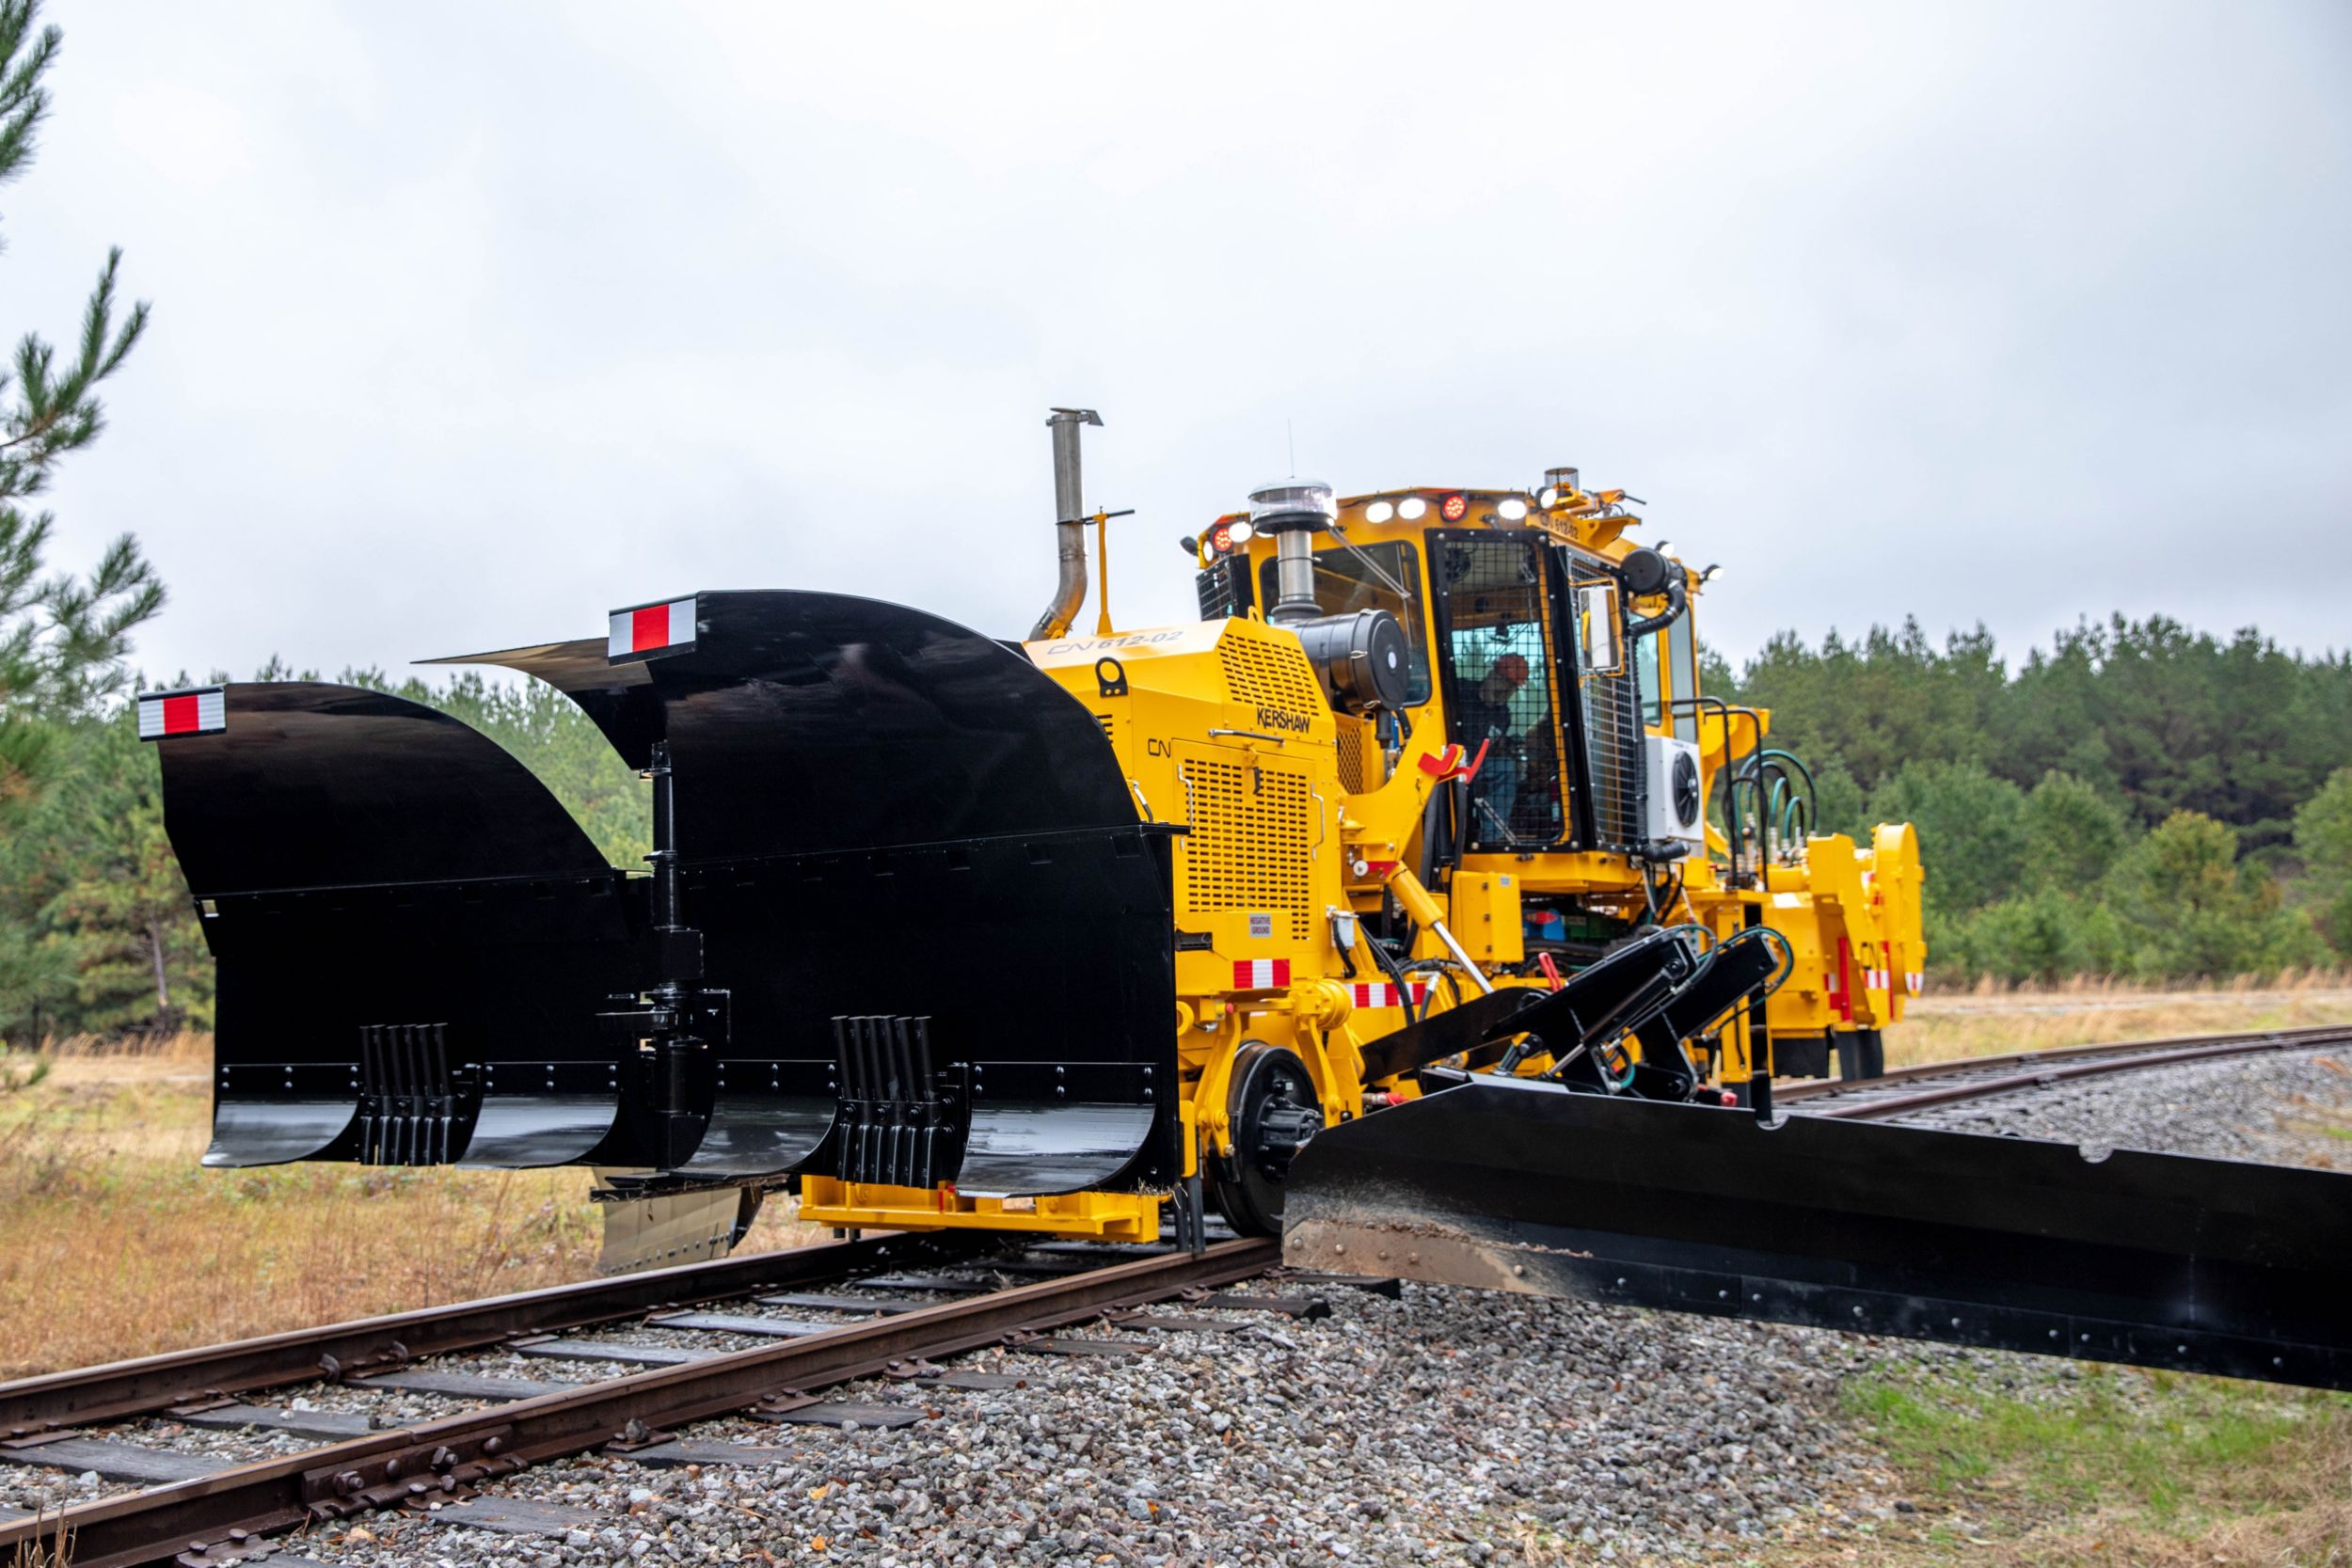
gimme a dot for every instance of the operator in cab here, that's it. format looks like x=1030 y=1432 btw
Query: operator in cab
x=1488 y=721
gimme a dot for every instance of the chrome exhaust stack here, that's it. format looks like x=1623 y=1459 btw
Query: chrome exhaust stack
x=1069 y=540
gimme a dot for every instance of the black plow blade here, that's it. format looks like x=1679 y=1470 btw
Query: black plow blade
x=888 y=827
x=412 y=935
x=877 y=834
x=2151 y=1259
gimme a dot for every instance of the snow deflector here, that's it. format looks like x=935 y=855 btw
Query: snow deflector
x=2152 y=1260
x=910 y=930
x=412 y=935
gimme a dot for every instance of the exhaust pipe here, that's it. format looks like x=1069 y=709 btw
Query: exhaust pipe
x=1069 y=540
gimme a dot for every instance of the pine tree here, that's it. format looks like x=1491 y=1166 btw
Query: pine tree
x=62 y=638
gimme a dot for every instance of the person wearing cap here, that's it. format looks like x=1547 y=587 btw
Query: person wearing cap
x=1488 y=719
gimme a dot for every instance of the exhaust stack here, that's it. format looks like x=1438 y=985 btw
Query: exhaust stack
x=1070 y=541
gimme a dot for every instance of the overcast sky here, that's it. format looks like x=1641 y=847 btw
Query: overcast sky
x=474 y=320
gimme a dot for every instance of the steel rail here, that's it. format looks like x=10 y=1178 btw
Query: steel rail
x=367 y=1345
x=252 y=1502
x=1866 y=1099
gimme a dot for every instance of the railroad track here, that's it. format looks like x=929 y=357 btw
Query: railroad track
x=1904 y=1090
x=205 y=1509
x=202 y=1508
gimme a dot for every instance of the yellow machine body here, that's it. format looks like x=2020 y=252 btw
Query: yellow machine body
x=1299 y=822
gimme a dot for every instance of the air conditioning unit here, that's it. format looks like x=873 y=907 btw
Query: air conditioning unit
x=1677 y=808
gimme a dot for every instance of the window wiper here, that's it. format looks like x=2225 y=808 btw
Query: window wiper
x=1370 y=566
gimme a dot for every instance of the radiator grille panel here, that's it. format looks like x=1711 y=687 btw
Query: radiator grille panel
x=1248 y=848
x=1269 y=675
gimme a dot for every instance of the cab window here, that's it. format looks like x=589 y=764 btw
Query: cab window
x=1645 y=676
x=1369 y=578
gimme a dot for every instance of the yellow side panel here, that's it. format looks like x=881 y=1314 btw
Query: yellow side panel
x=1487 y=918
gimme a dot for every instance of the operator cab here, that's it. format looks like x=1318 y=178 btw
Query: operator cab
x=1533 y=648
x=1532 y=654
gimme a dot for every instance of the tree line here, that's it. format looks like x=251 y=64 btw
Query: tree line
x=2137 y=799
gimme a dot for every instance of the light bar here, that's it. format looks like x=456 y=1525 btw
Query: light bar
x=199 y=711
x=645 y=630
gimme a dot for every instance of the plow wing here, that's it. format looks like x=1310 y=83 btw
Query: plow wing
x=413 y=936
x=2152 y=1260
x=875 y=831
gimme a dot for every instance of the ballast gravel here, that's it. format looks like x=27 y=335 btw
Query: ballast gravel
x=2278 y=1109
x=1445 y=1426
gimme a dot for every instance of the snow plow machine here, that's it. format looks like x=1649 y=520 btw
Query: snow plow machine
x=1414 y=903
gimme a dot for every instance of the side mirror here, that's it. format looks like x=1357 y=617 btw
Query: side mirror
x=1597 y=629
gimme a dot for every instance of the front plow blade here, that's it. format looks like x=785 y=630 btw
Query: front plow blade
x=2151 y=1260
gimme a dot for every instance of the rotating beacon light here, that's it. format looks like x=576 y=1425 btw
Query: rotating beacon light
x=1293 y=512
x=1360 y=659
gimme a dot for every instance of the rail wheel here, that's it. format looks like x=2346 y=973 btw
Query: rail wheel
x=1275 y=1112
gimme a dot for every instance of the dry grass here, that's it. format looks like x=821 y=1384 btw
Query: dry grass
x=1990 y=1020
x=115 y=1242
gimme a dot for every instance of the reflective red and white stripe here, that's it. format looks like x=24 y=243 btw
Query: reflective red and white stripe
x=1879 y=979
x=165 y=714
x=1387 y=995
x=1912 y=980
x=652 y=628
x=1261 y=974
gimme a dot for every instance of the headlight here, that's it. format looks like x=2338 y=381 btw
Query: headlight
x=1379 y=512
x=1511 y=509
x=1411 y=508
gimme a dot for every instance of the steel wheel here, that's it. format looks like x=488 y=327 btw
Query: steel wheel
x=1275 y=1112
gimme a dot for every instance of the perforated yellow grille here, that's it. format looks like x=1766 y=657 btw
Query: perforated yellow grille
x=1248 y=848
x=1362 y=766
x=1271 y=674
